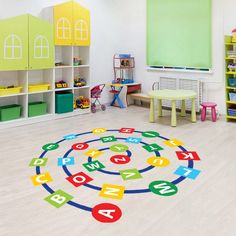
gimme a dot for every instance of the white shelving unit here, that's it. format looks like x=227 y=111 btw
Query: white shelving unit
x=67 y=72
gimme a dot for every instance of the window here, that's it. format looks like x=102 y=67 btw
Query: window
x=81 y=30
x=12 y=47
x=41 y=47
x=179 y=34
x=63 y=28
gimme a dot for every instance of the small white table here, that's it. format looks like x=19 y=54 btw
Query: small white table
x=172 y=95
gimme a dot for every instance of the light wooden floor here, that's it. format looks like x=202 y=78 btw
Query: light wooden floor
x=204 y=207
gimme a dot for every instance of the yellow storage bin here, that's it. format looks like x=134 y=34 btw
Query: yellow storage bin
x=38 y=87
x=8 y=91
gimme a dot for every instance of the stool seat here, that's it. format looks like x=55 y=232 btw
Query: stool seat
x=209 y=104
x=206 y=105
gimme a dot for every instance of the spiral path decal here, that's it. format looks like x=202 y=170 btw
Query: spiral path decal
x=113 y=154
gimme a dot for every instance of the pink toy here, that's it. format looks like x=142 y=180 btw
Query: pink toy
x=206 y=105
x=95 y=95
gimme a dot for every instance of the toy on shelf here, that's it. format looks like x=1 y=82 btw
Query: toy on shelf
x=81 y=102
x=231 y=54
x=77 y=61
x=232 y=67
x=234 y=36
x=59 y=63
x=125 y=63
x=95 y=95
x=79 y=82
x=61 y=84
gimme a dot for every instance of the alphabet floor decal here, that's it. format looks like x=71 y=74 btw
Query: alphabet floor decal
x=118 y=149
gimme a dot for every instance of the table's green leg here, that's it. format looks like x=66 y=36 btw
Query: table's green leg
x=159 y=107
x=152 y=113
x=173 y=113
x=193 y=115
x=183 y=108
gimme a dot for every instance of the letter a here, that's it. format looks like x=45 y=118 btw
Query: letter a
x=106 y=213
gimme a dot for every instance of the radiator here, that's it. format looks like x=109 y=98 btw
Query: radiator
x=178 y=83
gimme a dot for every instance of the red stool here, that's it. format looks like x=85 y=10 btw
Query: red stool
x=206 y=105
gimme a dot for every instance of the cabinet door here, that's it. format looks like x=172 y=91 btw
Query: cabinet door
x=81 y=18
x=41 y=44
x=63 y=24
x=14 y=43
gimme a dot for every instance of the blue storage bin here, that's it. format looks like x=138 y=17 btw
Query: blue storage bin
x=232 y=82
x=232 y=97
x=231 y=112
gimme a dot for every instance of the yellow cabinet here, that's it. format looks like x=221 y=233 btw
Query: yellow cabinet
x=71 y=24
x=81 y=17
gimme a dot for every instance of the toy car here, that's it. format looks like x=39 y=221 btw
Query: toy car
x=59 y=64
x=79 y=82
x=61 y=84
x=82 y=102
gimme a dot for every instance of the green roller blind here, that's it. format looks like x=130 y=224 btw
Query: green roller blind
x=179 y=33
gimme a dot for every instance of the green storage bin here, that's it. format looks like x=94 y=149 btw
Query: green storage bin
x=64 y=102
x=37 y=109
x=10 y=112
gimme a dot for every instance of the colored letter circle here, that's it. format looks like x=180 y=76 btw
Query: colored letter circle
x=119 y=148
x=150 y=134
x=158 y=161
x=163 y=188
x=80 y=146
x=50 y=146
x=106 y=213
x=120 y=159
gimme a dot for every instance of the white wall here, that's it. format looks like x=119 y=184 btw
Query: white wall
x=229 y=16
x=131 y=17
x=133 y=39
x=119 y=26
